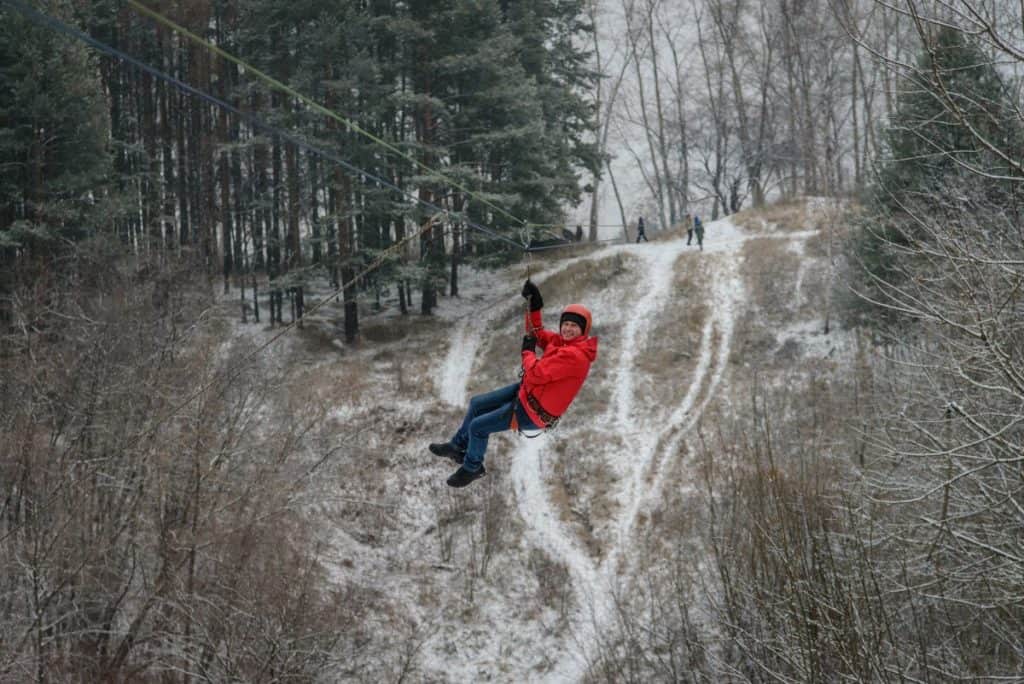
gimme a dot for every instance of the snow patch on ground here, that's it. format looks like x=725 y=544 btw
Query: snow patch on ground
x=499 y=636
x=643 y=430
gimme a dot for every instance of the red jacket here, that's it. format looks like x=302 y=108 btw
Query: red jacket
x=555 y=378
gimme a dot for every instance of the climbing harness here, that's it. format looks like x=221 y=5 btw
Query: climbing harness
x=551 y=422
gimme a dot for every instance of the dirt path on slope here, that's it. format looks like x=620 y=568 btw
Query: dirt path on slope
x=655 y=438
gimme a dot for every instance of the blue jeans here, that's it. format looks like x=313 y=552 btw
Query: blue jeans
x=488 y=413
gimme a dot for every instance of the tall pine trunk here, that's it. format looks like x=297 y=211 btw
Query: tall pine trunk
x=261 y=224
x=224 y=168
x=184 y=177
x=294 y=244
x=274 y=268
x=291 y=166
x=457 y=233
x=314 y=208
x=345 y=256
x=167 y=153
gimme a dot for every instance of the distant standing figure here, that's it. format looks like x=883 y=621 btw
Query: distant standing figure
x=640 y=234
x=579 y=232
x=689 y=229
x=698 y=228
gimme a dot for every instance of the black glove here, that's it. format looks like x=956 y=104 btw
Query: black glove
x=532 y=295
x=530 y=343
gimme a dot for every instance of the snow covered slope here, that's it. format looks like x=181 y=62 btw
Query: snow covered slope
x=514 y=578
x=641 y=437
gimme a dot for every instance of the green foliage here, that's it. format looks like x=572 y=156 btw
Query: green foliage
x=488 y=102
x=53 y=136
x=956 y=100
x=548 y=38
x=953 y=124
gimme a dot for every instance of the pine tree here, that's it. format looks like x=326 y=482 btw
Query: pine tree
x=955 y=87
x=493 y=117
x=933 y=159
x=53 y=139
x=550 y=36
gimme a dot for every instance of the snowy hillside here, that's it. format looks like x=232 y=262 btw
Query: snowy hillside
x=515 y=578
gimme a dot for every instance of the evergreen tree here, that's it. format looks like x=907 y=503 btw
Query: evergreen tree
x=936 y=160
x=955 y=88
x=53 y=139
x=494 y=122
x=549 y=35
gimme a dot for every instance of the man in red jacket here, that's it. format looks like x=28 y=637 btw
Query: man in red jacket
x=550 y=383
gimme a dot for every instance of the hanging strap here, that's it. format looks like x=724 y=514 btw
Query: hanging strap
x=550 y=421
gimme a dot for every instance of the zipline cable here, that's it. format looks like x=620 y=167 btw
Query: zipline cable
x=51 y=22
x=315 y=106
x=59 y=26
x=227 y=379
x=232 y=374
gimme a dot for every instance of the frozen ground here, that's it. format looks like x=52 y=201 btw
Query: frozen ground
x=653 y=435
x=412 y=548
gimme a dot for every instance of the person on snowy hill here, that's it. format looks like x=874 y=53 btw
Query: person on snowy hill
x=641 y=230
x=550 y=382
x=698 y=228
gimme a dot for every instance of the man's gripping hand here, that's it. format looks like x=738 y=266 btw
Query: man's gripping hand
x=532 y=295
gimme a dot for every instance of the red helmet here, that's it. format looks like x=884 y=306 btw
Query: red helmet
x=575 y=312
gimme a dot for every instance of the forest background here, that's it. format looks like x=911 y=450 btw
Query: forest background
x=467 y=131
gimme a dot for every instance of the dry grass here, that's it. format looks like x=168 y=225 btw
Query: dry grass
x=367 y=369
x=770 y=273
x=817 y=246
x=554 y=586
x=669 y=354
x=395 y=329
x=581 y=279
x=582 y=486
x=673 y=233
x=786 y=286
x=546 y=257
x=814 y=289
x=788 y=216
x=753 y=343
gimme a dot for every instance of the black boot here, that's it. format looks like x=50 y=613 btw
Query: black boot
x=463 y=477
x=447 y=450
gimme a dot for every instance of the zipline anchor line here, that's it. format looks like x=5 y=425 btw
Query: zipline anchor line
x=46 y=20
x=40 y=17
x=231 y=375
x=315 y=106
x=252 y=120
x=59 y=26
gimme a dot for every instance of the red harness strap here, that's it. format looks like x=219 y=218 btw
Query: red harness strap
x=549 y=420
